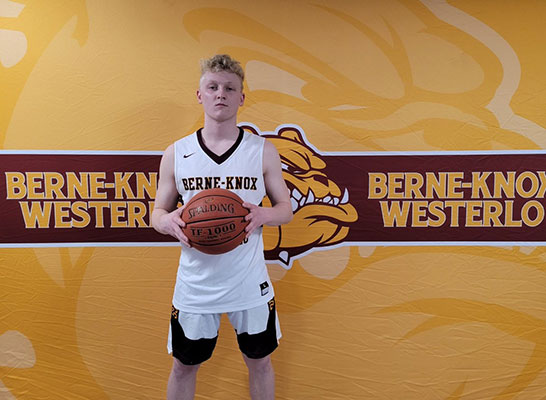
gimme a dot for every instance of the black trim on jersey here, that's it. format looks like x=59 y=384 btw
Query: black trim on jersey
x=215 y=157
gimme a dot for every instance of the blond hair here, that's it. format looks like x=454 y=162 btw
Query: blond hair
x=222 y=62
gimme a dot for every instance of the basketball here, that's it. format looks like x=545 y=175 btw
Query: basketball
x=215 y=221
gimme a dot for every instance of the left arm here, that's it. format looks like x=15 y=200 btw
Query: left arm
x=281 y=210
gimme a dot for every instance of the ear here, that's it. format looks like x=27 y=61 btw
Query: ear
x=198 y=94
x=292 y=133
x=242 y=99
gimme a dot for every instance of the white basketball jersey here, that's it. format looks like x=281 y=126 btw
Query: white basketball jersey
x=236 y=280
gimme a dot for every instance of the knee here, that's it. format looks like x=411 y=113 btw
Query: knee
x=181 y=371
x=259 y=365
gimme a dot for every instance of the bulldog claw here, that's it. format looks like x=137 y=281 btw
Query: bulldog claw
x=284 y=257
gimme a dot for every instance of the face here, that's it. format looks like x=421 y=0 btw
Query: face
x=221 y=95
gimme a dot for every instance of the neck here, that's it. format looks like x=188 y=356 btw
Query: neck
x=220 y=129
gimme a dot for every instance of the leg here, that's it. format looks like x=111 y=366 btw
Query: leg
x=182 y=380
x=261 y=377
x=257 y=346
x=188 y=353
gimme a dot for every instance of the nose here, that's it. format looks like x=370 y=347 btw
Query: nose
x=221 y=94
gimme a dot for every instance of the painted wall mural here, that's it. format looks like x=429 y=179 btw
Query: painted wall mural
x=412 y=136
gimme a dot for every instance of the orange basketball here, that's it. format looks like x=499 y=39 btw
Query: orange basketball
x=215 y=221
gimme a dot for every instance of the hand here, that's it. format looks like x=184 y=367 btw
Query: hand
x=172 y=224
x=256 y=217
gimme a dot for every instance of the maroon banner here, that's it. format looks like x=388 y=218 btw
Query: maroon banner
x=444 y=198
x=77 y=198
x=370 y=198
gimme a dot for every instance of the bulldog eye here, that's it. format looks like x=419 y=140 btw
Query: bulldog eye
x=292 y=169
x=321 y=179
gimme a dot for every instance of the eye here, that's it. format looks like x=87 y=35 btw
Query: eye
x=293 y=169
x=321 y=179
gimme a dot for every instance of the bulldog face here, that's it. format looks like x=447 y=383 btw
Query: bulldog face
x=322 y=209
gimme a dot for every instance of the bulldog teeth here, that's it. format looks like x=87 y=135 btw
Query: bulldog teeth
x=345 y=198
x=294 y=204
x=310 y=197
x=297 y=199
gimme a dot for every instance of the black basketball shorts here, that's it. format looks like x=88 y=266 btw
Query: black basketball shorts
x=192 y=337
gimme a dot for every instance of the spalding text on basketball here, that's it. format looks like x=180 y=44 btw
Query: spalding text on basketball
x=210 y=208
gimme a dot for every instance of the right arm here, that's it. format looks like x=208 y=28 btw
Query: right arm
x=165 y=216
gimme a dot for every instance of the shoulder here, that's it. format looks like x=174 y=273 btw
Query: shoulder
x=167 y=160
x=169 y=151
x=183 y=144
x=270 y=150
x=188 y=138
x=253 y=138
x=271 y=158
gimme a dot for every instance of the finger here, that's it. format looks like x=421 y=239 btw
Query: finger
x=249 y=206
x=248 y=232
x=249 y=228
x=176 y=230
x=177 y=234
x=177 y=218
x=185 y=242
x=180 y=222
x=182 y=238
x=179 y=210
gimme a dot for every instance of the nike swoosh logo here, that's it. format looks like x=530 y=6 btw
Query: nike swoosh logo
x=188 y=155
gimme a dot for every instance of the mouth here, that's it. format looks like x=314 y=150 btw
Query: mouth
x=299 y=200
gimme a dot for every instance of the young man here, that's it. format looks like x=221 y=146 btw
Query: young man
x=237 y=282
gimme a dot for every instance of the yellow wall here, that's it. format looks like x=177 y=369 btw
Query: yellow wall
x=359 y=322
